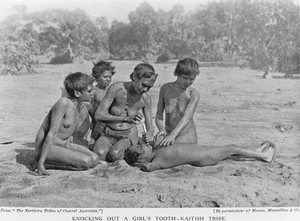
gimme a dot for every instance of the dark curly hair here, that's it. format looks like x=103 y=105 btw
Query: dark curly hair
x=102 y=66
x=77 y=82
x=144 y=70
x=141 y=153
x=187 y=66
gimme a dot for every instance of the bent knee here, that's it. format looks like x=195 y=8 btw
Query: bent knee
x=96 y=160
x=115 y=155
x=100 y=153
x=89 y=162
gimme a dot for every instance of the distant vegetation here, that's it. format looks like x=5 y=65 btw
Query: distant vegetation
x=256 y=34
x=164 y=57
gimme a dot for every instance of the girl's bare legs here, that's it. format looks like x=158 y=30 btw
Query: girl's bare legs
x=75 y=157
x=180 y=154
x=214 y=155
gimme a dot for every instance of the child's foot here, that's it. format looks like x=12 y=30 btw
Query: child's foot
x=41 y=172
x=269 y=152
x=264 y=145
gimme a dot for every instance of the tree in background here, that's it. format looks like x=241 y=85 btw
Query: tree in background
x=147 y=29
x=17 y=47
x=56 y=29
x=102 y=42
x=122 y=41
x=261 y=33
x=179 y=35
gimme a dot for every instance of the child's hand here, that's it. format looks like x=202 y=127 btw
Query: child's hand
x=137 y=118
x=147 y=138
x=168 y=140
x=160 y=133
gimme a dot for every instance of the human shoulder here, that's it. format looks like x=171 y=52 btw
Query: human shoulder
x=63 y=101
x=62 y=104
x=167 y=86
x=116 y=86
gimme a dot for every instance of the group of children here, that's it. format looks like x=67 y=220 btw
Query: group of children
x=113 y=112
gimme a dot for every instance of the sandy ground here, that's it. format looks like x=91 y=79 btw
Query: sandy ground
x=236 y=106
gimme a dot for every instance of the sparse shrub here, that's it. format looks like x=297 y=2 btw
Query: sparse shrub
x=65 y=58
x=164 y=57
x=17 y=58
x=241 y=62
x=62 y=59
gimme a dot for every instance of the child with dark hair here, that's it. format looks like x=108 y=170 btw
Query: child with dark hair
x=102 y=72
x=160 y=157
x=144 y=70
x=187 y=66
x=178 y=100
x=53 y=144
x=119 y=109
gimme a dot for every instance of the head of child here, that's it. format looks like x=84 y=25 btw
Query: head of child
x=143 y=77
x=186 y=71
x=141 y=153
x=79 y=86
x=102 y=72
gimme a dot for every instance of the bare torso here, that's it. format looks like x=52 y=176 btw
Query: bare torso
x=124 y=104
x=176 y=102
x=68 y=124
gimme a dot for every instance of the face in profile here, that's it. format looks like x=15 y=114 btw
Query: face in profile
x=87 y=95
x=104 y=79
x=143 y=85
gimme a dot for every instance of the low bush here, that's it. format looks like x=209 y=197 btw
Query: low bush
x=17 y=58
x=164 y=57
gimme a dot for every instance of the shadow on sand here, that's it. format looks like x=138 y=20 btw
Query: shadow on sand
x=26 y=157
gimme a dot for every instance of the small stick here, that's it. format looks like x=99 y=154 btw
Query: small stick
x=144 y=130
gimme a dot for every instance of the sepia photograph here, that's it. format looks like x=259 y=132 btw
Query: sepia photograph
x=149 y=104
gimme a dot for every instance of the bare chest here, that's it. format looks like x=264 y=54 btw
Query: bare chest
x=175 y=101
x=70 y=119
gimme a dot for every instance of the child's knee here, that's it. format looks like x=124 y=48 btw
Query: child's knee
x=115 y=155
x=88 y=162
x=95 y=159
x=101 y=153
